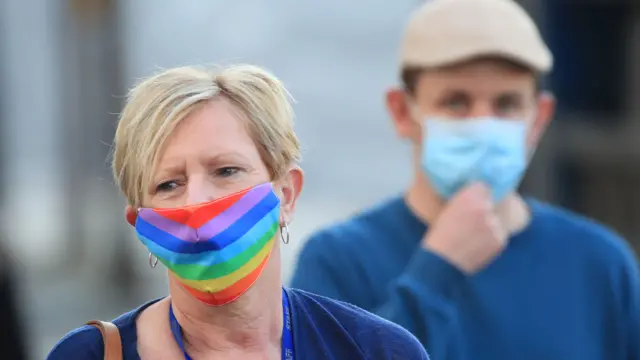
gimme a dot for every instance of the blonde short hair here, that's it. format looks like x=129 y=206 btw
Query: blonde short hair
x=159 y=103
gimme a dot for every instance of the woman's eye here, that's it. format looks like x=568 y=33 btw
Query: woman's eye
x=166 y=186
x=227 y=171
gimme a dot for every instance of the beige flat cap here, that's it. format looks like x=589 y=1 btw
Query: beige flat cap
x=444 y=32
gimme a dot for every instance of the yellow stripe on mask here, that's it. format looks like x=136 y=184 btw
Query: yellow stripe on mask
x=221 y=283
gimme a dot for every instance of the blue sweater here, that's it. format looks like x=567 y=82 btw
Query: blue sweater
x=564 y=288
x=322 y=329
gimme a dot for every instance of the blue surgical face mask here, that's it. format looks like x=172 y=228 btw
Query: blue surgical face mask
x=490 y=150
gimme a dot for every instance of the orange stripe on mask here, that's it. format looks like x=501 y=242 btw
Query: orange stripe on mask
x=232 y=292
x=197 y=215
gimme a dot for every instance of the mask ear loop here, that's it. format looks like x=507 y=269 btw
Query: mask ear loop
x=131 y=219
x=153 y=260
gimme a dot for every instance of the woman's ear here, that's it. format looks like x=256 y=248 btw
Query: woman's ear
x=131 y=215
x=290 y=187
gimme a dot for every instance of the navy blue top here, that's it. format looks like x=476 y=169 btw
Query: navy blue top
x=322 y=329
x=564 y=288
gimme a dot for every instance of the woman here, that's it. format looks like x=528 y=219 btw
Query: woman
x=208 y=163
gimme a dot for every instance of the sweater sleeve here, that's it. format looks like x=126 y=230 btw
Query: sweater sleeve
x=631 y=305
x=84 y=343
x=634 y=322
x=421 y=299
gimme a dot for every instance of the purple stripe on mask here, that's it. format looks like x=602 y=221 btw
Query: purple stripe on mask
x=214 y=226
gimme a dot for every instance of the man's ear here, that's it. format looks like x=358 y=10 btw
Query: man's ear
x=401 y=114
x=546 y=109
x=131 y=215
x=290 y=187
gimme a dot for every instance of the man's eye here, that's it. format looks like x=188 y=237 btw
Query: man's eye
x=507 y=105
x=166 y=186
x=457 y=104
x=227 y=171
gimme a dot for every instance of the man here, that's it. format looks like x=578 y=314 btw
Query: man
x=492 y=275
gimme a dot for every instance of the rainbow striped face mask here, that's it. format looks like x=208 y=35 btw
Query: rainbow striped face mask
x=217 y=250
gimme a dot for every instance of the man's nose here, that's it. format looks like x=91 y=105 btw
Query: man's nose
x=482 y=109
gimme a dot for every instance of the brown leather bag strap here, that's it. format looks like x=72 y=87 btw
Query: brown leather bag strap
x=111 y=339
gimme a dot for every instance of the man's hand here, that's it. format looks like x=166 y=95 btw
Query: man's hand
x=468 y=233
